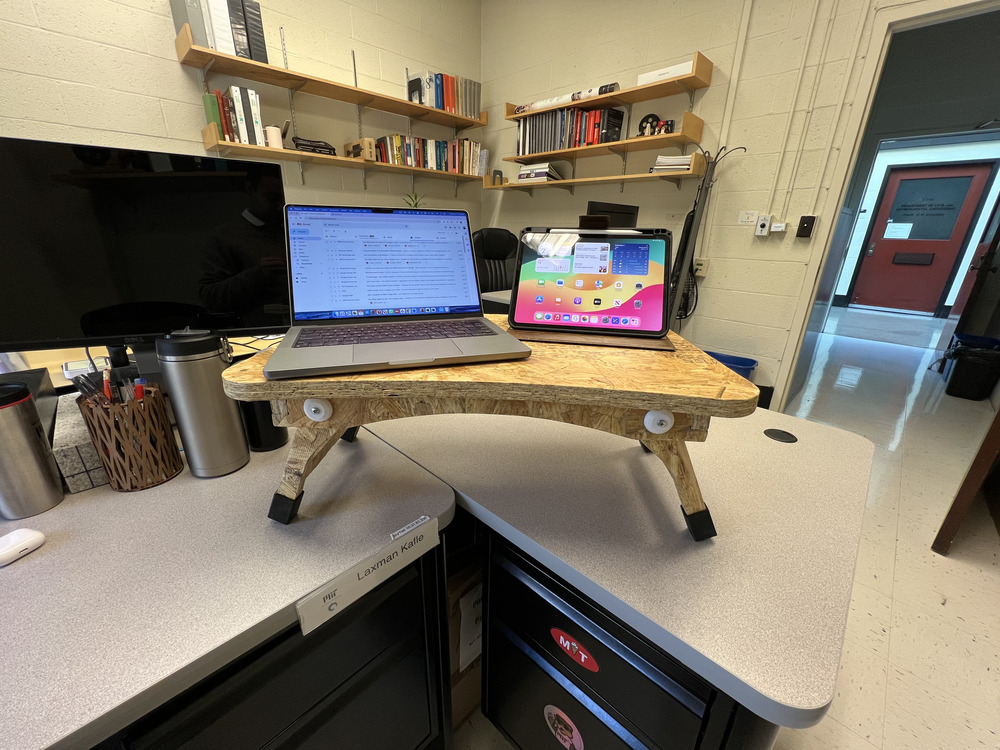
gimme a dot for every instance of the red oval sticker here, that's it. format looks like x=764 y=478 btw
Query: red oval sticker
x=573 y=648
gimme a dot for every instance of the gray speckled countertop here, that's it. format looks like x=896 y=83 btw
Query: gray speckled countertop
x=759 y=610
x=136 y=596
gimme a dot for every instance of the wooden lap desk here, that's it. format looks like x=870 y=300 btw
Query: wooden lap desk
x=662 y=399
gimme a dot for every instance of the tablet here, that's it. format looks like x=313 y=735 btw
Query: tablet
x=611 y=281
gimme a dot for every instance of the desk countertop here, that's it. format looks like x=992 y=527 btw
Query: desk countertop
x=135 y=597
x=759 y=611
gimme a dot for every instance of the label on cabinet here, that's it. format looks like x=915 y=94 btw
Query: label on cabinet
x=334 y=597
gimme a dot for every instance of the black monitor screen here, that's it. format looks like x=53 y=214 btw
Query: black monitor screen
x=115 y=246
x=620 y=215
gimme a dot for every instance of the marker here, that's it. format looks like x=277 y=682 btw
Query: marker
x=140 y=388
x=107 y=386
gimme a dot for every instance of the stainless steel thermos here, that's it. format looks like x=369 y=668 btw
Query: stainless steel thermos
x=208 y=420
x=29 y=478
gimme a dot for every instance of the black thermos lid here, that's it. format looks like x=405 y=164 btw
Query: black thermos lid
x=186 y=342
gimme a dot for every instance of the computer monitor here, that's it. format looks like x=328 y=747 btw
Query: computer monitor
x=115 y=247
x=619 y=215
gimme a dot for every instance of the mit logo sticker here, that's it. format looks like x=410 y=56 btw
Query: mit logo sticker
x=575 y=651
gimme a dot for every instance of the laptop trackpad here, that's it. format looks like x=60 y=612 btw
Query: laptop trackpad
x=406 y=351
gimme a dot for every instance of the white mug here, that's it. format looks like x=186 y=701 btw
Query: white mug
x=272 y=136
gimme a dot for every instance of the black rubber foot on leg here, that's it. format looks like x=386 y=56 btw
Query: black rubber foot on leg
x=700 y=524
x=350 y=433
x=283 y=509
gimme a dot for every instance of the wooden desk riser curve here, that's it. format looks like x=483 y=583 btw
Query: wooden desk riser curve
x=603 y=388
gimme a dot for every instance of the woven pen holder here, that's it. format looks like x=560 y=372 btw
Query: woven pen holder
x=134 y=440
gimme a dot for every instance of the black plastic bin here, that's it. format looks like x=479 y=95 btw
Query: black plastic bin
x=972 y=366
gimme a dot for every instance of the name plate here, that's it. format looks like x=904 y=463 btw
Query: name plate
x=332 y=598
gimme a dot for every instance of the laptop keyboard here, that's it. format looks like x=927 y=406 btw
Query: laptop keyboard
x=380 y=333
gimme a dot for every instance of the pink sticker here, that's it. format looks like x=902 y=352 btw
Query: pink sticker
x=563 y=729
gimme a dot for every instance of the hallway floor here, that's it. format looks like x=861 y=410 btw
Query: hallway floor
x=921 y=660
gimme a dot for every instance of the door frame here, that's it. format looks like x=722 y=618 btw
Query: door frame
x=942 y=308
x=869 y=54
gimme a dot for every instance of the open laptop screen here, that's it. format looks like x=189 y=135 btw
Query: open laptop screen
x=580 y=280
x=351 y=262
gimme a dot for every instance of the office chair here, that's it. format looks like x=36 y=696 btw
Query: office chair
x=495 y=251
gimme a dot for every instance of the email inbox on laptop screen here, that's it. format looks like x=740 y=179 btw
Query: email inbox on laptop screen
x=567 y=280
x=359 y=263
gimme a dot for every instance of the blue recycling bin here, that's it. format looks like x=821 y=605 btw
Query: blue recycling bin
x=740 y=365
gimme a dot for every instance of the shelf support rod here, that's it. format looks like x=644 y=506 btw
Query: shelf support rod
x=291 y=102
x=357 y=111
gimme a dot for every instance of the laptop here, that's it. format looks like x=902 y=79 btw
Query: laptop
x=612 y=282
x=381 y=289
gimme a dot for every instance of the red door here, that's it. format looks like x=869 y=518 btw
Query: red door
x=921 y=225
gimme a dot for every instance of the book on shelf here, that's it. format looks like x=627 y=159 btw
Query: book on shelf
x=414 y=88
x=221 y=25
x=238 y=23
x=671 y=164
x=190 y=12
x=541 y=172
x=213 y=112
x=450 y=93
x=459 y=155
x=258 y=127
x=234 y=27
x=255 y=31
x=225 y=110
x=571 y=127
x=240 y=112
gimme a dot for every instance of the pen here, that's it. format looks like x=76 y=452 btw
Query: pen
x=107 y=386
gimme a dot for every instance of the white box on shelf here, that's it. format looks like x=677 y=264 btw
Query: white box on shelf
x=681 y=69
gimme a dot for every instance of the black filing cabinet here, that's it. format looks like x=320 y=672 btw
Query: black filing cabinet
x=371 y=678
x=558 y=667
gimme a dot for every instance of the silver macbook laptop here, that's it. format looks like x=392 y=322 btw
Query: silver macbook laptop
x=380 y=289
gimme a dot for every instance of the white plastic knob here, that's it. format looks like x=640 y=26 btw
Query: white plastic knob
x=318 y=409
x=658 y=422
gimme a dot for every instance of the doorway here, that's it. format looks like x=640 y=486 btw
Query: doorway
x=914 y=245
x=925 y=96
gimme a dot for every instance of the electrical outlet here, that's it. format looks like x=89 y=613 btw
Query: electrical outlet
x=700 y=266
x=748 y=217
x=763 y=225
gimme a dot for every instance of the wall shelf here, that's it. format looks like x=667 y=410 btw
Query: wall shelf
x=689 y=133
x=209 y=59
x=697 y=170
x=700 y=77
x=212 y=142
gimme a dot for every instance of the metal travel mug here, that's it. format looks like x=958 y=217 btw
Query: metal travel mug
x=29 y=478
x=208 y=420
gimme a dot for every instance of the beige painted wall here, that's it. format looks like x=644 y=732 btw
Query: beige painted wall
x=791 y=82
x=105 y=72
x=792 y=79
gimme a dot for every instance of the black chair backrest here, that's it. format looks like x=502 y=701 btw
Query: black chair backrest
x=495 y=250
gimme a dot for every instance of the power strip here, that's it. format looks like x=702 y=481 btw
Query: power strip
x=82 y=366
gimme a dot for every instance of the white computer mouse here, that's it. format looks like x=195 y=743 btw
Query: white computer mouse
x=18 y=543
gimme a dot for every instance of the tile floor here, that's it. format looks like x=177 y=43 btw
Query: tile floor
x=921 y=660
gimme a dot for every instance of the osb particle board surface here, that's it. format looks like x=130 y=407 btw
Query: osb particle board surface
x=686 y=380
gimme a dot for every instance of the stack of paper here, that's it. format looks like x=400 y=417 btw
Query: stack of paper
x=671 y=164
x=542 y=172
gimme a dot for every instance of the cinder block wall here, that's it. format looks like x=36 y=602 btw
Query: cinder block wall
x=105 y=72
